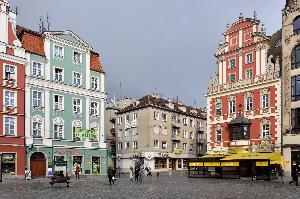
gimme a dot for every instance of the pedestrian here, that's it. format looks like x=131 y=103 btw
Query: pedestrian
x=119 y=171
x=141 y=173
x=131 y=173
x=280 y=175
x=157 y=174
x=77 y=171
x=149 y=172
x=110 y=174
x=295 y=174
x=136 y=173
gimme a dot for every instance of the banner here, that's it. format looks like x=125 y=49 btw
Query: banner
x=86 y=133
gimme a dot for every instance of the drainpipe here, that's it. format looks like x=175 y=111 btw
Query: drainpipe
x=0 y=167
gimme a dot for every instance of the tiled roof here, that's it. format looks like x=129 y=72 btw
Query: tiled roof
x=33 y=42
x=165 y=104
x=95 y=62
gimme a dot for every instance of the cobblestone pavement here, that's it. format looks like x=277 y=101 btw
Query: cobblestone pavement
x=177 y=186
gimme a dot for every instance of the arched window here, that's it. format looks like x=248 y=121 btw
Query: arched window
x=76 y=127
x=37 y=127
x=58 y=126
x=297 y=25
x=296 y=57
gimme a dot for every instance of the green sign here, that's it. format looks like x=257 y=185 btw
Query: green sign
x=85 y=133
x=177 y=151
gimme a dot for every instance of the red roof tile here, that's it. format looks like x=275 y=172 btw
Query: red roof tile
x=95 y=62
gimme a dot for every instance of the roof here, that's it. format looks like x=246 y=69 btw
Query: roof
x=152 y=100
x=33 y=42
x=240 y=120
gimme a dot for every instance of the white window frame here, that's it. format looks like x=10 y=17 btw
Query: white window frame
x=127 y=118
x=232 y=106
x=248 y=72
x=75 y=78
x=249 y=103
x=37 y=102
x=184 y=121
x=40 y=70
x=126 y=133
x=166 y=117
x=219 y=132
x=265 y=103
x=246 y=58
x=266 y=133
x=184 y=146
x=62 y=52
x=164 y=143
x=119 y=120
x=156 y=144
x=78 y=62
x=95 y=83
x=230 y=66
x=40 y=130
x=126 y=145
x=134 y=145
x=94 y=110
x=60 y=132
x=120 y=146
x=218 y=108
x=12 y=74
x=119 y=133
x=77 y=108
x=61 y=75
x=58 y=106
x=12 y=100
x=156 y=115
x=14 y=126
x=134 y=117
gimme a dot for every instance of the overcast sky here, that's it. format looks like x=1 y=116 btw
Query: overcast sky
x=165 y=46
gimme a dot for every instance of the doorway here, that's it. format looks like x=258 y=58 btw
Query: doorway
x=38 y=164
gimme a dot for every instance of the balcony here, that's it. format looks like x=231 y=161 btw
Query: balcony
x=175 y=124
x=176 y=138
x=201 y=140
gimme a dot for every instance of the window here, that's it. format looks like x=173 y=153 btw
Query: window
x=94 y=108
x=58 y=102
x=37 y=99
x=232 y=106
x=37 y=69
x=249 y=58
x=240 y=132
x=10 y=100
x=219 y=135
x=126 y=133
x=232 y=63
x=134 y=145
x=95 y=83
x=191 y=122
x=119 y=120
x=297 y=25
x=76 y=105
x=127 y=118
x=77 y=57
x=296 y=88
x=184 y=121
x=249 y=74
x=219 y=109
x=58 y=74
x=265 y=101
x=249 y=104
x=9 y=126
x=184 y=146
x=58 y=52
x=156 y=144
x=164 y=117
x=37 y=129
x=232 y=78
x=185 y=134
x=156 y=115
x=120 y=146
x=191 y=135
x=191 y=147
x=58 y=131
x=266 y=131
x=126 y=145
x=77 y=79
x=134 y=117
x=233 y=41
x=175 y=145
x=296 y=118
x=295 y=57
x=119 y=133
x=164 y=145
x=9 y=72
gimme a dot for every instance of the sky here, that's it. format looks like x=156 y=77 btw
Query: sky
x=161 y=46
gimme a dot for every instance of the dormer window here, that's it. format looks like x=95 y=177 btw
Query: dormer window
x=297 y=25
x=58 y=52
x=9 y=72
x=77 y=57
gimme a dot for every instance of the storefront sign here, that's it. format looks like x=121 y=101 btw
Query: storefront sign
x=212 y=164
x=164 y=155
x=177 y=151
x=262 y=163
x=85 y=133
x=67 y=151
x=137 y=155
x=230 y=164
x=196 y=164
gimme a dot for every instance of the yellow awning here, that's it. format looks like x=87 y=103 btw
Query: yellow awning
x=213 y=156
x=275 y=158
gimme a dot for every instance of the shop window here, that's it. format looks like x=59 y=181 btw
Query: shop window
x=179 y=164
x=77 y=161
x=160 y=163
x=295 y=57
x=59 y=158
x=8 y=164
x=185 y=163
x=296 y=25
x=296 y=118
x=95 y=165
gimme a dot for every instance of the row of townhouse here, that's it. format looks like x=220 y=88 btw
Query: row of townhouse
x=52 y=101
x=162 y=134
x=252 y=101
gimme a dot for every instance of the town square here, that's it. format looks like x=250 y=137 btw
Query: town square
x=150 y=99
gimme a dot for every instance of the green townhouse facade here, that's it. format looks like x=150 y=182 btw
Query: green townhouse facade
x=64 y=103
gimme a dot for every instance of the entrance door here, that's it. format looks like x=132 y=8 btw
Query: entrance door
x=38 y=164
x=173 y=164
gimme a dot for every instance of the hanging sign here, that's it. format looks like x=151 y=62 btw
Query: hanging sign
x=86 y=133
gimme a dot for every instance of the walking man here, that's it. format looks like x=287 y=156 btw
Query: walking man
x=136 y=173
x=131 y=173
x=110 y=174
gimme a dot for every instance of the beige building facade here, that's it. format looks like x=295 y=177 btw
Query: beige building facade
x=160 y=133
x=290 y=85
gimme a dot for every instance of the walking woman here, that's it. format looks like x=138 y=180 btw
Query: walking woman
x=131 y=173
x=77 y=171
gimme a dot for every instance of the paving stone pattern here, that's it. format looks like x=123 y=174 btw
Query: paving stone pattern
x=177 y=186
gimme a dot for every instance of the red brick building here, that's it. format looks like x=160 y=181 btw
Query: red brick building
x=12 y=95
x=244 y=97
